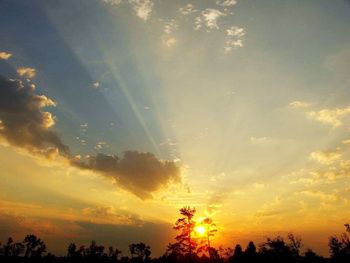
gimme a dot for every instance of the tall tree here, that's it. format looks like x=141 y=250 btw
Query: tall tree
x=210 y=230
x=185 y=225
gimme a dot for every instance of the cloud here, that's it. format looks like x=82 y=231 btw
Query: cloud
x=299 y=104
x=320 y=195
x=208 y=18
x=346 y=142
x=96 y=85
x=169 y=41
x=110 y=214
x=27 y=72
x=137 y=172
x=274 y=208
x=235 y=31
x=258 y=140
x=101 y=145
x=58 y=232
x=112 y=2
x=5 y=55
x=187 y=9
x=226 y=2
x=326 y=157
x=143 y=8
x=330 y=116
x=234 y=38
x=23 y=124
x=169 y=28
x=22 y=121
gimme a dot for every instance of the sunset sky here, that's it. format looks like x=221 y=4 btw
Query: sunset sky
x=114 y=114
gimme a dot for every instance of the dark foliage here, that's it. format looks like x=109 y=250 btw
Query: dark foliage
x=183 y=250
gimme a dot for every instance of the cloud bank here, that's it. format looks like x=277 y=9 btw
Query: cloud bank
x=24 y=124
x=138 y=172
x=22 y=121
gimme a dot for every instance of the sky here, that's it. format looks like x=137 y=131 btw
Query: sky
x=114 y=114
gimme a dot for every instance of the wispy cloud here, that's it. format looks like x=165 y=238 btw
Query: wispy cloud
x=299 y=104
x=326 y=157
x=143 y=8
x=258 y=140
x=234 y=38
x=169 y=41
x=5 y=55
x=110 y=214
x=209 y=18
x=112 y=2
x=331 y=117
x=169 y=27
x=187 y=9
x=329 y=197
x=96 y=85
x=26 y=72
x=226 y=2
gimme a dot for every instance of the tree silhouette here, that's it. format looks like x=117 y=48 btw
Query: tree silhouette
x=273 y=250
x=12 y=249
x=210 y=230
x=174 y=252
x=311 y=256
x=72 y=251
x=113 y=253
x=340 y=247
x=295 y=244
x=237 y=254
x=141 y=250
x=35 y=247
x=94 y=250
x=7 y=247
x=250 y=252
x=225 y=252
x=277 y=250
x=185 y=226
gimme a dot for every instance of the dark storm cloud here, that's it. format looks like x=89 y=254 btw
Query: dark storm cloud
x=24 y=124
x=138 y=172
x=22 y=121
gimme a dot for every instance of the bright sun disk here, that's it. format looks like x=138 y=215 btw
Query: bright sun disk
x=200 y=230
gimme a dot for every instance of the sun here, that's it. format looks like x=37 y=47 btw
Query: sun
x=200 y=230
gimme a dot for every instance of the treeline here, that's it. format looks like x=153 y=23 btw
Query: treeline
x=189 y=247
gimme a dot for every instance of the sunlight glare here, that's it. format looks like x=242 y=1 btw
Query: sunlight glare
x=200 y=230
